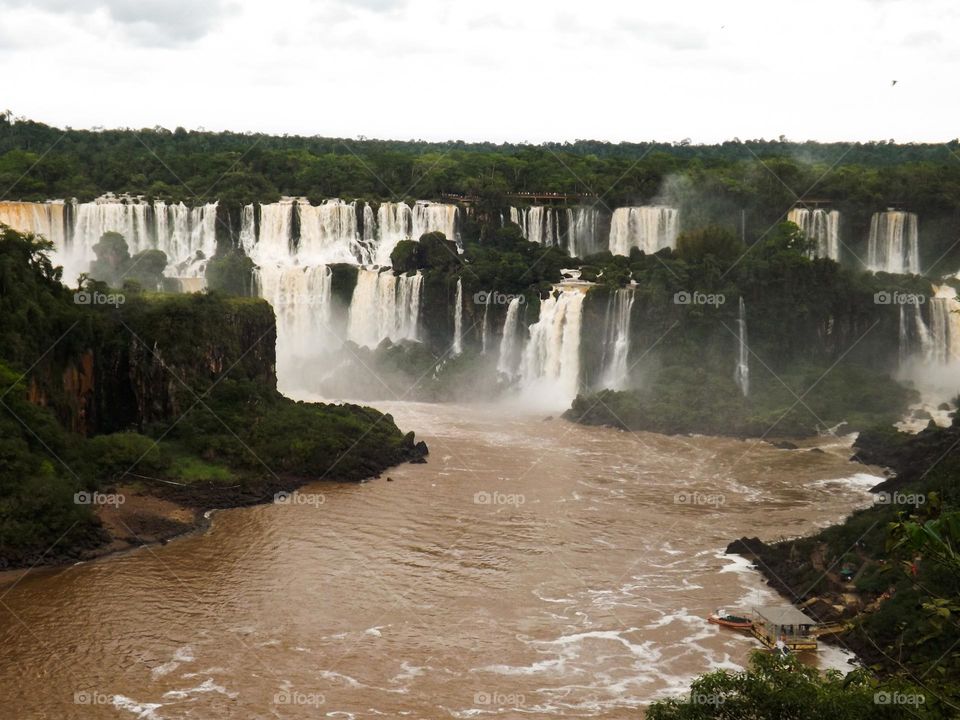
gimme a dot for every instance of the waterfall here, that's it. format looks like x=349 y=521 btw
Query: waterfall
x=945 y=325
x=384 y=306
x=650 y=228
x=329 y=234
x=617 y=341
x=542 y=225
x=186 y=235
x=300 y=297
x=550 y=366
x=51 y=221
x=742 y=373
x=485 y=325
x=583 y=231
x=822 y=227
x=509 y=341
x=539 y=224
x=893 y=246
x=458 y=320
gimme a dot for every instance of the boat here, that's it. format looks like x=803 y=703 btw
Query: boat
x=784 y=626
x=737 y=622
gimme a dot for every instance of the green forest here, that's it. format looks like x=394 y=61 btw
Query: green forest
x=745 y=185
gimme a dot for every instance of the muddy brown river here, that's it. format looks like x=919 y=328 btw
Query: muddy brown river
x=533 y=568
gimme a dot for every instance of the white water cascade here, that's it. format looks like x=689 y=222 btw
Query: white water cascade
x=937 y=341
x=820 y=226
x=578 y=233
x=510 y=340
x=893 y=243
x=649 y=227
x=616 y=348
x=742 y=373
x=485 y=324
x=550 y=366
x=458 y=321
x=187 y=235
x=583 y=231
x=384 y=306
x=539 y=224
x=300 y=297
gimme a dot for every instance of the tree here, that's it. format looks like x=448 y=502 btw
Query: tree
x=113 y=258
x=721 y=243
x=784 y=688
x=231 y=273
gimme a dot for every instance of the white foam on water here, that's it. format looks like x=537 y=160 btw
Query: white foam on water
x=859 y=481
x=735 y=563
x=207 y=686
x=143 y=711
x=181 y=655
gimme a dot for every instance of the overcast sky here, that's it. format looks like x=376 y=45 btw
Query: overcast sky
x=515 y=70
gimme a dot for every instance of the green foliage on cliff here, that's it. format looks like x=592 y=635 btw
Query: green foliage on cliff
x=778 y=687
x=751 y=182
x=115 y=267
x=155 y=390
x=231 y=273
x=797 y=403
x=901 y=553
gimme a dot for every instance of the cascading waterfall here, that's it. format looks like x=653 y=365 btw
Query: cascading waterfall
x=538 y=223
x=485 y=325
x=550 y=366
x=542 y=225
x=820 y=226
x=50 y=220
x=300 y=297
x=893 y=243
x=742 y=373
x=329 y=234
x=458 y=320
x=583 y=231
x=936 y=342
x=617 y=342
x=945 y=325
x=186 y=235
x=399 y=221
x=649 y=227
x=510 y=340
x=384 y=306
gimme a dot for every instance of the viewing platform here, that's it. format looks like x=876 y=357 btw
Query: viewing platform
x=531 y=197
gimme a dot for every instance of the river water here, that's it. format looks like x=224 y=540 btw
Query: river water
x=532 y=568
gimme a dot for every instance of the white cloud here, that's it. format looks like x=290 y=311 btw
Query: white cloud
x=521 y=71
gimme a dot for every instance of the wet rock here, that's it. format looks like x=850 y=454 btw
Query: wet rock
x=784 y=445
x=818 y=451
x=748 y=547
x=943 y=406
